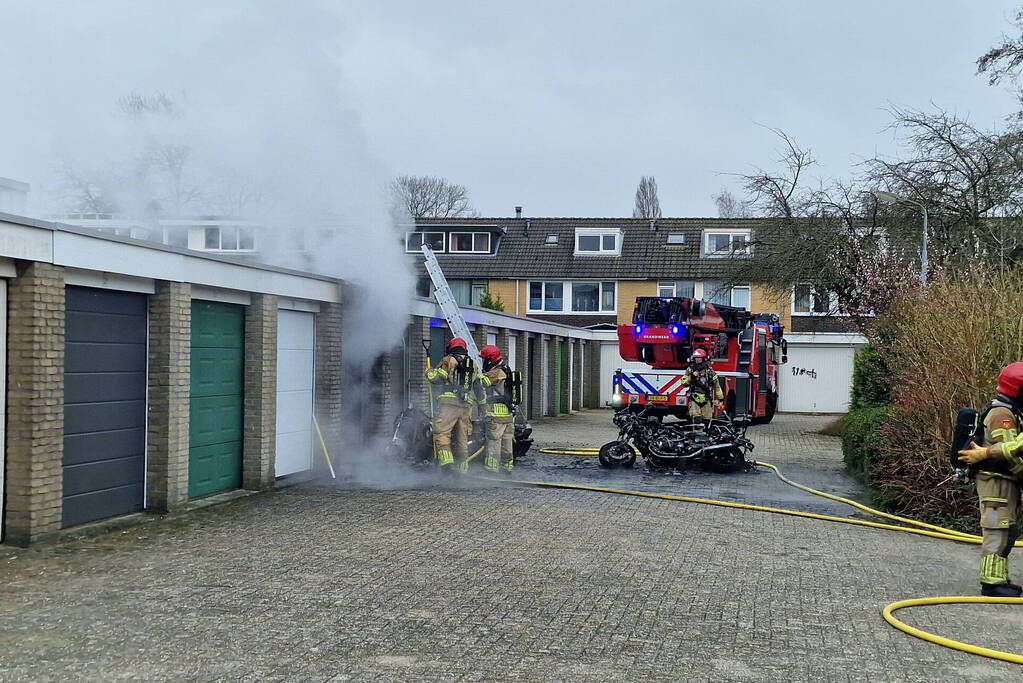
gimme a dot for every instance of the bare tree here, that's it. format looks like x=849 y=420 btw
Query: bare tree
x=647 y=205
x=431 y=197
x=730 y=206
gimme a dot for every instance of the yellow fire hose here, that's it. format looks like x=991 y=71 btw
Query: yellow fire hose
x=922 y=529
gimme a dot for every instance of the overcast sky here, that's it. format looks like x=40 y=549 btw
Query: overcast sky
x=557 y=106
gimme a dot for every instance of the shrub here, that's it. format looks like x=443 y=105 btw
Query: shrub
x=945 y=347
x=861 y=434
x=493 y=303
x=871 y=380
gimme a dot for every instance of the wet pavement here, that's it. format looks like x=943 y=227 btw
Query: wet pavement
x=469 y=581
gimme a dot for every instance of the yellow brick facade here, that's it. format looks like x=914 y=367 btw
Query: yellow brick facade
x=766 y=300
x=506 y=290
x=628 y=290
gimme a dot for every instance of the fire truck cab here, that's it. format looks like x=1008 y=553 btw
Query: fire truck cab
x=745 y=350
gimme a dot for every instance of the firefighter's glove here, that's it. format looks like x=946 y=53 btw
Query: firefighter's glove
x=973 y=454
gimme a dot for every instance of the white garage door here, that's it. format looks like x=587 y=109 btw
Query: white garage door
x=816 y=379
x=295 y=354
x=610 y=361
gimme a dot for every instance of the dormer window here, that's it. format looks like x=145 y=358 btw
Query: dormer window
x=469 y=243
x=598 y=242
x=414 y=241
x=725 y=243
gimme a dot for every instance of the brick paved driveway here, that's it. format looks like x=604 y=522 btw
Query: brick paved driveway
x=316 y=582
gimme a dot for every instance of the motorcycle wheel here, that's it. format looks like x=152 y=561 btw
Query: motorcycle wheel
x=733 y=461
x=616 y=454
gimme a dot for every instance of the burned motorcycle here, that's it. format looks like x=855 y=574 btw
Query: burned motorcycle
x=720 y=446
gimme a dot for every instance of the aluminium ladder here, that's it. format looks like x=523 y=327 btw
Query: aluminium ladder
x=448 y=306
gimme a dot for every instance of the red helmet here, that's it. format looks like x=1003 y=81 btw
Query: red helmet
x=457 y=343
x=698 y=355
x=1010 y=382
x=491 y=354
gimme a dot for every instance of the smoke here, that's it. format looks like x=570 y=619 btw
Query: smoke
x=192 y=107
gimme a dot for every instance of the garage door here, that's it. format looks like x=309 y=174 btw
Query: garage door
x=816 y=379
x=295 y=353
x=215 y=420
x=610 y=360
x=104 y=404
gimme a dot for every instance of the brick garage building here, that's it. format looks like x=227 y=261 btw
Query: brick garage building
x=140 y=377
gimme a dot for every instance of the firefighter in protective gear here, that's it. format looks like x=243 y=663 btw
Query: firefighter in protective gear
x=452 y=423
x=500 y=419
x=999 y=469
x=704 y=388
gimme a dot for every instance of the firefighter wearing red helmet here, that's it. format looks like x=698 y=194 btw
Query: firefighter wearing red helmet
x=999 y=469
x=500 y=420
x=705 y=394
x=452 y=421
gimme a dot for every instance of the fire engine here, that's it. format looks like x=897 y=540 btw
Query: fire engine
x=745 y=350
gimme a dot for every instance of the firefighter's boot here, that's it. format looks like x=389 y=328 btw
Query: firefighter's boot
x=463 y=466
x=994 y=578
x=445 y=458
x=508 y=466
x=491 y=464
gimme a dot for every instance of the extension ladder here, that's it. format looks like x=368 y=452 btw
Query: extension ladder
x=448 y=305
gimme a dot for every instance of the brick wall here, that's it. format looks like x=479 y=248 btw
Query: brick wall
x=577 y=373
x=522 y=361
x=627 y=293
x=170 y=335
x=591 y=366
x=418 y=332
x=566 y=370
x=259 y=447
x=35 y=402
x=328 y=379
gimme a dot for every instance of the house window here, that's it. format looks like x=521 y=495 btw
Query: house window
x=725 y=243
x=594 y=241
x=551 y=239
x=676 y=238
x=469 y=243
x=229 y=238
x=176 y=237
x=685 y=288
x=468 y=292
x=741 y=297
x=414 y=241
x=583 y=297
x=806 y=300
x=717 y=292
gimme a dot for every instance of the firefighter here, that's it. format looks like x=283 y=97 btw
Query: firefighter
x=452 y=422
x=704 y=388
x=999 y=469
x=500 y=419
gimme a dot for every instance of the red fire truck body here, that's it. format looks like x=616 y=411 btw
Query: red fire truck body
x=745 y=350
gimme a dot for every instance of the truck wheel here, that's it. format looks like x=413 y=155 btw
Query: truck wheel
x=770 y=408
x=616 y=454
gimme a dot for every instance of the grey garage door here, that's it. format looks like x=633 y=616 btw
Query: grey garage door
x=104 y=404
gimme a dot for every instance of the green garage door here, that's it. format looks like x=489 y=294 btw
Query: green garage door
x=215 y=420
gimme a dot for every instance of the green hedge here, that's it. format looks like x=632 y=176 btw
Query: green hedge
x=868 y=409
x=871 y=380
x=861 y=435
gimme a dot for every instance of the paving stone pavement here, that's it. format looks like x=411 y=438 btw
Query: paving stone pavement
x=478 y=583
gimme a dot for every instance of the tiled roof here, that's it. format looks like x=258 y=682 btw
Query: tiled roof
x=644 y=252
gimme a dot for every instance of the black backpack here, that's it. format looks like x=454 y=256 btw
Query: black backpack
x=970 y=427
x=512 y=386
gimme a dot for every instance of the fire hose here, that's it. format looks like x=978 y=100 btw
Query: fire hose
x=921 y=529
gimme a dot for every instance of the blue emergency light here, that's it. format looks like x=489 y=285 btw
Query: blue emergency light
x=639 y=330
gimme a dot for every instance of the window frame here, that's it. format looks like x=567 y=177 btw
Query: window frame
x=747 y=235
x=238 y=232
x=424 y=233
x=600 y=234
x=568 y=296
x=475 y=235
x=832 y=304
x=681 y=239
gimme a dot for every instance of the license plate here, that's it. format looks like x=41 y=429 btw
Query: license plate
x=663 y=399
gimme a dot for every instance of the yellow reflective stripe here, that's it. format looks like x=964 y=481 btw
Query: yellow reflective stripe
x=992 y=499
x=1000 y=434
x=485 y=380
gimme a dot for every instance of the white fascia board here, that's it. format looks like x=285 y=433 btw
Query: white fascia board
x=826 y=338
x=89 y=253
x=287 y=304
x=103 y=280
x=7 y=269
x=224 y=296
x=484 y=316
x=26 y=242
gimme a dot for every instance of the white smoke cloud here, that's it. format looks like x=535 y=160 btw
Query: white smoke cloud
x=260 y=108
